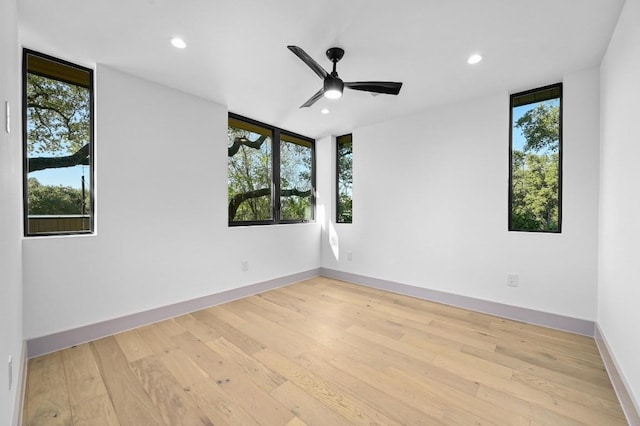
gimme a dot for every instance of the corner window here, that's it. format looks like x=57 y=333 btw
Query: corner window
x=535 y=173
x=258 y=169
x=58 y=146
x=344 y=178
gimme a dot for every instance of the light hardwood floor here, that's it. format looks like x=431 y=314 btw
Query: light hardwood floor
x=325 y=352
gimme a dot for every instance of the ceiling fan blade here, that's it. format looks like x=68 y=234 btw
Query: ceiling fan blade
x=309 y=61
x=388 y=87
x=312 y=100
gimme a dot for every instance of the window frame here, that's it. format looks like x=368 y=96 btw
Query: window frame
x=350 y=137
x=25 y=158
x=532 y=93
x=276 y=132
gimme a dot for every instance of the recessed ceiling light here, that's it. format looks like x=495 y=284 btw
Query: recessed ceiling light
x=178 y=42
x=474 y=59
x=324 y=111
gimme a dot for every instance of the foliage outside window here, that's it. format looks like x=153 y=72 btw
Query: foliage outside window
x=535 y=178
x=258 y=169
x=58 y=146
x=344 y=171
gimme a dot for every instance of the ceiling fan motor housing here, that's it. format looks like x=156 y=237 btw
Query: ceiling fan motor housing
x=335 y=54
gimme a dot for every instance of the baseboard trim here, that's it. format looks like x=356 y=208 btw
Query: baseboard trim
x=20 y=393
x=65 y=339
x=630 y=407
x=530 y=316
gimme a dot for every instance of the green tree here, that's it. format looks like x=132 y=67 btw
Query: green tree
x=345 y=182
x=63 y=200
x=541 y=127
x=535 y=178
x=58 y=123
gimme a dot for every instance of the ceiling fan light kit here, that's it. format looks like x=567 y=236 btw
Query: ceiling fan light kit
x=333 y=88
x=333 y=85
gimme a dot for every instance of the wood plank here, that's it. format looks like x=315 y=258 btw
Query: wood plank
x=132 y=404
x=384 y=400
x=47 y=392
x=156 y=339
x=305 y=407
x=577 y=395
x=95 y=411
x=170 y=327
x=421 y=354
x=275 y=336
x=296 y=422
x=255 y=401
x=234 y=335
x=265 y=378
x=222 y=313
x=171 y=399
x=541 y=359
x=575 y=412
x=197 y=327
x=220 y=408
x=132 y=345
x=466 y=406
x=90 y=402
x=333 y=396
x=472 y=368
x=522 y=366
x=537 y=413
x=183 y=369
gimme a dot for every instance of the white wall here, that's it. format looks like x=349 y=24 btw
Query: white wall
x=619 y=254
x=162 y=234
x=10 y=212
x=430 y=206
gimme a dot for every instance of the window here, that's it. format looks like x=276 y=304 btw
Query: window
x=249 y=172
x=296 y=158
x=535 y=175
x=344 y=178
x=58 y=146
x=258 y=169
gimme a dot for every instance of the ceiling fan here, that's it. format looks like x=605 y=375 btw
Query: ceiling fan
x=333 y=85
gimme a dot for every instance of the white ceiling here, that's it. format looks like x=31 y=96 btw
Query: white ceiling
x=236 y=49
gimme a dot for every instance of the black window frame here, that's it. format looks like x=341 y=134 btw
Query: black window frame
x=536 y=95
x=276 y=133
x=348 y=136
x=25 y=166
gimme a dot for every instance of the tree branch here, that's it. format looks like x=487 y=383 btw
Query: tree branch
x=80 y=157
x=239 y=141
x=238 y=199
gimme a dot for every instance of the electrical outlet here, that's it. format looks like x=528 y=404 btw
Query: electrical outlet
x=512 y=280
x=349 y=256
x=244 y=265
x=10 y=376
